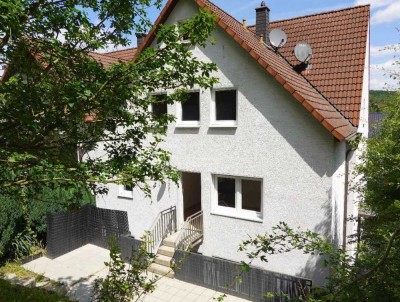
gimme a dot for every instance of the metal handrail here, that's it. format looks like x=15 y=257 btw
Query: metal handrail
x=191 y=231
x=163 y=225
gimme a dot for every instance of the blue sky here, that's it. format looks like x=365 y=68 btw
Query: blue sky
x=385 y=22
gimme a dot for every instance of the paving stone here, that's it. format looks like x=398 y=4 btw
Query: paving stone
x=10 y=276
x=42 y=284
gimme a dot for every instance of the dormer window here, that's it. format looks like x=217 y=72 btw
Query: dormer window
x=224 y=108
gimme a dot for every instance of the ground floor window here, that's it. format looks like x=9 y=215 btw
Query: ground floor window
x=237 y=196
x=125 y=191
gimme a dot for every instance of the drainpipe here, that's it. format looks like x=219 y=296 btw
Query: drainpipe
x=346 y=192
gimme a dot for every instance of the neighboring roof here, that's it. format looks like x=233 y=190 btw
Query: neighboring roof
x=339 y=42
x=324 y=111
x=124 y=54
x=375 y=123
x=105 y=59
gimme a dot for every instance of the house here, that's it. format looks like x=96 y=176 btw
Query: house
x=270 y=142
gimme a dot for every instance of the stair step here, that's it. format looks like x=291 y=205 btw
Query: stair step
x=169 y=242
x=166 y=251
x=161 y=270
x=163 y=260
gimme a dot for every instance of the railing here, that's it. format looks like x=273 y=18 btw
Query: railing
x=191 y=231
x=164 y=225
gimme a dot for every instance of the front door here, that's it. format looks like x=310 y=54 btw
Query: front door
x=191 y=190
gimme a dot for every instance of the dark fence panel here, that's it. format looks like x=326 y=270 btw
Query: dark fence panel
x=66 y=231
x=128 y=244
x=69 y=231
x=222 y=275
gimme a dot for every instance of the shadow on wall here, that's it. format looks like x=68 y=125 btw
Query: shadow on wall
x=314 y=268
x=161 y=191
x=316 y=150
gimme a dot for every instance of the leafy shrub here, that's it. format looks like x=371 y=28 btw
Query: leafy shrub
x=23 y=220
x=125 y=282
x=25 y=244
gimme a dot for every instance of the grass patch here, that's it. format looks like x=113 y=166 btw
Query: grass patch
x=19 y=271
x=15 y=293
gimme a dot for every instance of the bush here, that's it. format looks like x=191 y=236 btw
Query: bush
x=28 y=215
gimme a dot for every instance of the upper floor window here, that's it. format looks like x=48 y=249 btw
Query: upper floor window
x=188 y=112
x=238 y=197
x=224 y=108
x=159 y=105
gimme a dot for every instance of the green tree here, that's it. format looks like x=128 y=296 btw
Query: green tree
x=52 y=83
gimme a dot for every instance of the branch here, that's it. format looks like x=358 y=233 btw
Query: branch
x=375 y=268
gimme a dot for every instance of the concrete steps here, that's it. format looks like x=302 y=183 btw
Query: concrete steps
x=161 y=270
x=166 y=251
x=163 y=260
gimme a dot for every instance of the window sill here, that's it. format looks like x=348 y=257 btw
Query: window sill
x=242 y=216
x=224 y=125
x=125 y=196
x=188 y=125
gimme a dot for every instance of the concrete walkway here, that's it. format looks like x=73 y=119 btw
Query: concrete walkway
x=79 y=268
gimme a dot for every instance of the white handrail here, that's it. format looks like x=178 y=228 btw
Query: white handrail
x=191 y=231
x=163 y=225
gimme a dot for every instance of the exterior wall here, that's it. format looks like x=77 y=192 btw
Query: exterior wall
x=276 y=140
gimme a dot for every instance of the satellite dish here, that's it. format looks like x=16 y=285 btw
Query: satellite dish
x=303 y=52
x=278 y=38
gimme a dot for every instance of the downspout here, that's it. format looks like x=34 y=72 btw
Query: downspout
x=346 y=192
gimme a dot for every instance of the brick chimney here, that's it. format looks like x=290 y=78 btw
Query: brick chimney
x=262 y=22
x=140 y=38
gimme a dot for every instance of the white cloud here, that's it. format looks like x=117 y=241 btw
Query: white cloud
x=384 y=50
x=385 y=11
x=380 y=75
x=388 y=14
x=375 y=3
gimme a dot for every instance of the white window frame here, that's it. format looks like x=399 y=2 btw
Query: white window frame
x=188 y=124
x=213 y=110
x=236 y=212
x=123 y=193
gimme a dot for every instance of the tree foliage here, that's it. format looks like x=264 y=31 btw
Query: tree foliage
x=52 y=83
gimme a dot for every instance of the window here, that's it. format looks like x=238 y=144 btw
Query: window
x=183 y=28
x=159 y=106
x=126 y=191
x=238 y=197
x=224 y=108
x=189 y=111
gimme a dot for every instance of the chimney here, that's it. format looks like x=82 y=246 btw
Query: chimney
x=140 y=38
x=262 y=21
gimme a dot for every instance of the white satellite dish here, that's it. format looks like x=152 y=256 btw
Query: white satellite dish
x=303 y=52
x=278 y=38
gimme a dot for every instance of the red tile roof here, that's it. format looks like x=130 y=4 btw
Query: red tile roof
x=125 y=54
x=105 y=59
x=339 y=42
x=335 y=119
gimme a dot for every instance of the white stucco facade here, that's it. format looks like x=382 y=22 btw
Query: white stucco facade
x=300 y=163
